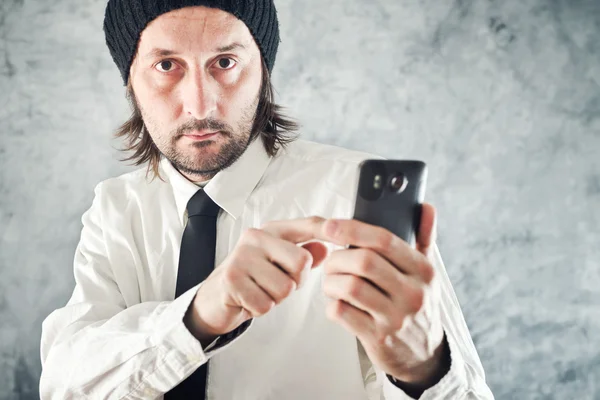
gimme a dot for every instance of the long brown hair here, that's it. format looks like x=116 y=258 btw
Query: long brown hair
x=276 y=130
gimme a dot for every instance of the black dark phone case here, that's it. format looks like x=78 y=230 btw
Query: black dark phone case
x=390 y=194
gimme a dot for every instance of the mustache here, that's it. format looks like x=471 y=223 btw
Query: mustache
x=205 y=124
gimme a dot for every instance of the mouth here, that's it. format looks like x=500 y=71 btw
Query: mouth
x=201 y=135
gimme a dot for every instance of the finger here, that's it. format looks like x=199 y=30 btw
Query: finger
x=360 y=294
x=296 y=230
x=274 y=281
x=318 y=251
x=391 y=247
x=294 y=260
x=356 y=321
x=371 y=266
x=252 y=298
x=427 y=230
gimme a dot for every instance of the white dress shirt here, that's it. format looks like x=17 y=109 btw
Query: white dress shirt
x=122 y=336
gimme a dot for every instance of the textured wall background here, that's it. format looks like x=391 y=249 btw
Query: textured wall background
x=501 y=98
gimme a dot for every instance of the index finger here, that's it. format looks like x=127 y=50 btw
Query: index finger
x=359 y=234
x=297 y=230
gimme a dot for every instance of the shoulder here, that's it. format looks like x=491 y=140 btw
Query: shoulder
x=117 y=192
x=307 y=168
x=312 y=152
x=321 y=161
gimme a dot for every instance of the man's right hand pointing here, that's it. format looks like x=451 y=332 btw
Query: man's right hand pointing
x=263 y=269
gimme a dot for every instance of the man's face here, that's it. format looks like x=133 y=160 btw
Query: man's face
x=197 y=71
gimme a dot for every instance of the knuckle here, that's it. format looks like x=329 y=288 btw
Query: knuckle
x=367 y=261
x=332 y=228
x=427 y=270
x=252 y=236
x=231 y=275
x=315 y=219
x=418 y=299
x=285 y=290
x=333 y=259
x=303 y=257
x=241 y=255
x=386 y=241
x=355 y=287
x=335 y=310
x=264 y=307
x=241 y=250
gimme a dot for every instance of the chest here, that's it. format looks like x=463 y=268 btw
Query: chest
x=144 y=241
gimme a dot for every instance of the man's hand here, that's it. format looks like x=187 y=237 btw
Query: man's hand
x=386 y=294
x=264 y=268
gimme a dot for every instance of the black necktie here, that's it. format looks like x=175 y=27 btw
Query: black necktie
x=196 y=262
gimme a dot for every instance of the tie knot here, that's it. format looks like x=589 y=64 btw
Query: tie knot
x=201 y=204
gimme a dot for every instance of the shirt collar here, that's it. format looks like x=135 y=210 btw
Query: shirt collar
x=230 y=188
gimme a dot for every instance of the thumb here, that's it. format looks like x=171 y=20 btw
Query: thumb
x=427 y=229
x=318 y=251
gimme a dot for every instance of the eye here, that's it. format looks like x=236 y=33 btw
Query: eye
x=165 y=66
x=226 y=63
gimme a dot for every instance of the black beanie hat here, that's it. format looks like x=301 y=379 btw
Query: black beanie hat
x=124 y=21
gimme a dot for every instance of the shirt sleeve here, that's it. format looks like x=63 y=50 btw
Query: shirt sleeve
x=466 y=377
x=96 y=347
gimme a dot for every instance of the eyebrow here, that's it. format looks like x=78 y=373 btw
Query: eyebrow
x=229 y=47
x=158 y=52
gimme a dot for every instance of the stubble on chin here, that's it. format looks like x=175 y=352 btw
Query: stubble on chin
x=199 y=160
x=203 y=162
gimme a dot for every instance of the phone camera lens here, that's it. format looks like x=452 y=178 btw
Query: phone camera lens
x=398 y=183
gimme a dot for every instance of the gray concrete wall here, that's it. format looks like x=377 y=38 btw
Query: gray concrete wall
x=501 y=98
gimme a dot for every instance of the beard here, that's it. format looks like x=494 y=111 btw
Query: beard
x=191 y=160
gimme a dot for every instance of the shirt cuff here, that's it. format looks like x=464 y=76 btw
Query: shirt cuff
x=223 y=340
x=452 y=385
x=180 y=352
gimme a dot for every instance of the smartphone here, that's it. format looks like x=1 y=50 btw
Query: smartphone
x=390 y=194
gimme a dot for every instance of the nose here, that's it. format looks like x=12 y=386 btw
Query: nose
x=200 y=95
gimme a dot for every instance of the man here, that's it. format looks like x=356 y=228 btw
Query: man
x=289 y=311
